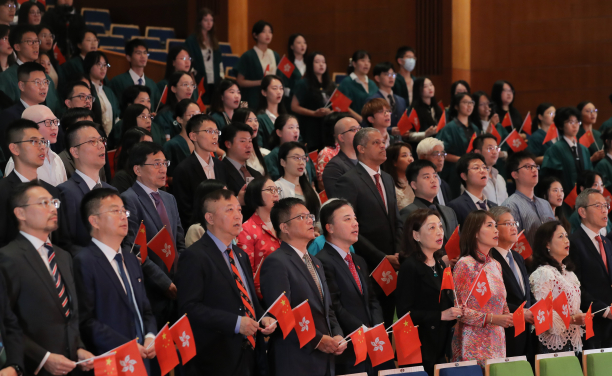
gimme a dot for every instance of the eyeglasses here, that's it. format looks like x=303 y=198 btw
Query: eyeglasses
x=390 y=75
x=385 y=112
x=437 y=154
x=146 y=117
x=573 y=122
x=116 y=212
x=50 y=123
x=302 y=217
x=510 y=224
x=593 y=111
x=479 y=168
x=35 y=13
x=31 y=42
x=10 y=6
x=95 y=143
x=352 y=129
x=209 y=131
x=45 y=36
x=157 y=165
x=103 y=65
x=84 y=97
x=493 y=148
x=193 y=86
x=297 y=158
x=469 y=103
x=4 y=39
x=186 y=58
x=531 y=167
x=508 y=91
x=37 y=142
x=141 y=53
x=40 y=83
x=47 y=204
x=600 y=206
x=273 y=190
x=551 y=114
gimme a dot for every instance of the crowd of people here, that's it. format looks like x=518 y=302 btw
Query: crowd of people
x=251 y=214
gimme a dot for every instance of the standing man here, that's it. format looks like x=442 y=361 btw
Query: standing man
x=346 y=159
x=495 y=190
x=406 y=60
x=384 y=75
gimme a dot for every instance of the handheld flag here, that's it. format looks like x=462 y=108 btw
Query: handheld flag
x=522 y=246
x=128 y=360
x=414 y=120
x=549 y=306
x=314 y=155
x=323 y=197
x=541 y=319
x=404 y=124
x=588 y=320
x=164 y=96
x=587 y=139
x=201 y=91
x=165 y=351
x=507 y=122
x=452 y=245
x=105 y=365
x=379 y=345
x=481 y=289
x=141 y=240
x=59 y=56
x=286 y=67
x=561 y=305
x=406 y=337
x=305 y=329
x=359 y=345
x=516 y=142
x=256 y=278
x=281 y=309
x=441 y=106
x=552 y=134
x=526 y=127
x=570 y=199
x=385 y=276
x=441 y=123
x=183 y=338
x=340 y=102
x=518 y=319
x=471 y=145
x=163 y=246
x=447 y=281
x=493 y=130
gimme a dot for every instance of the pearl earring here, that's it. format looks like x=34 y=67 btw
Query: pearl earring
x=548 y=249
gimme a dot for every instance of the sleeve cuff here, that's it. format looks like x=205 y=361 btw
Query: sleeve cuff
x=150 y=335
x=237 y=328
x=42 y=363
x=606 y=312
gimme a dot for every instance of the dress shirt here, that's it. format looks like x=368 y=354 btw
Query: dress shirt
x=570 y=142
x=135 y=77
x=148 y=191
x=21 y=177
x=89 y=181
x=372 y=173
x=477 y=200
x=300 y=65
x=504 y=253
x=440 y=195
x=24 y=103
x=19 y=62
x=496 y=187
x=365 y=85
x=267 y=60
x=343 y=255
x=530 y=213
x=209 y=168
x=106 y=108
x=592 y=236
x=52 y=171
x=237 y=166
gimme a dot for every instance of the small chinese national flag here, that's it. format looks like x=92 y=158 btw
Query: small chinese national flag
x=165 y=351
x=587 y=139
x=541 y=319
x=404 y=125
x=164 y=96
x=447 y=281
x=608 y=198
x=286 y=66
x=493 y=130
x=441 y=105
x=522 y=246
x=359 y=345
x=141 y=240
x=452 y=245
x=314 y=155
x=163 y=246
x=441 y=123
x=526 y=127
x=518 y=319
x=406 y=338
x=471 y=145
x=201 y=91
x=281 y=309
x=561 y=305
x=588 y=320
x=340 y=102
x=183 y=338
x=507 y=122
x=551 y=134
x=105 y=366
x=516 y=142
x=571 y=198
x=128 y=360
x=414 y=120
x=323 y=197
x=481 y=290
x=305 y=328
x=385 y=276
x=58 y=55
x=379 y=345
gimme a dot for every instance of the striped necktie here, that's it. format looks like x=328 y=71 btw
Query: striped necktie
x=59 y=282
x=246 y=301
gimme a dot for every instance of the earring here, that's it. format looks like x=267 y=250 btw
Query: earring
x=548 y=249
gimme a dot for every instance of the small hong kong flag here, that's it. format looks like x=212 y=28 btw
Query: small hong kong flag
x=526 y=127
x=561 y=305
x=359 y=345
x=305 y=328
x=522 y=246
x=541 y=319
x=516 y=142
x=163 y=246
x=58 y=55
x=493 y=130
x=323 y=197
x=551 y=134
x=507 y=122
x=570 y=199
x=141 y=241
x=129 y=361
x=481 y=289
x=183 y=338
x=201 y=91
x=588 y=320
x=281 y=309
x=340 y=102
x=452 y=245
x=587 y=139
x=447 y=281
x=105 y=365
x=518 y=319
x=471 y=145
x=165 y=351
x=441 y=105
x=407 y=340
x=385 y=276
x=379 y=345
x=286 y=66
x=441 y=123
x=608 y=198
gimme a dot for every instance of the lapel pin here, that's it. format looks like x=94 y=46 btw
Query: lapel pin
x=317 y=266
x=358 y=267
x=139 y=280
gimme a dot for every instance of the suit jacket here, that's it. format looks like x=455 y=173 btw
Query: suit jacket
x=447 y=193
x=284 y=271
x=352 y=308
x=463 y=205
x=186 y=178
x=33 y=297
x=335 y=168
x=12 y=335
x=397 y=111
x=208 y=294
x=106 y=315
x=8 y=116
x=521 y=345
x=233 y=178
x=449 y=219
x=73 y=190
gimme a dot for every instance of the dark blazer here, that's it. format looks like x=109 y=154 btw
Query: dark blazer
x=449 y=218
x=106 y=315
x=595 y=284
x=463 y=205
x=352 y=308
x=447 y=193
x=73 y=190
x=8 y=116
x=186 y=178
x=397 y=111
x=284 y=271
x=335 y=168
x=208 y=294
x=521 y=345
x=12 y=335
x=34 y=300
x=233 y=178
x=8 y=222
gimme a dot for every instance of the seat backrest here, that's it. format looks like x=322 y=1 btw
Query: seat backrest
x=225 y=47
x=596 y=362
x=111 y=40
x=513 y=366
x=158 y=55
x=413 y=371
x=97 y=15
x=558 y=364
x=128 y=31
x=153 y=43
x=163 y=33
x=469 y=368
x=229 y=60
x=171 y=42
x=338 y=77
x=98 y=27
x=356 y=374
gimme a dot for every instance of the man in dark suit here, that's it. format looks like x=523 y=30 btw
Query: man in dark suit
x=12 y=337
x=290 y=269
x=199 y=166
x=88 y=150
x=474 y=175
x=114 y=308
x=344 y=132
x=384 y=75
x=516 y=280
x=41 y=287
x=28 y=148
x=371 y=191
x=237 y=142
x=216 y=291
x=592 y=256
x=350 y=287
x=432 y=149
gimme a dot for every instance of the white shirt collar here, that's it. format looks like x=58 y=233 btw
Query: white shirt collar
x=89 y=181
x=210 y=163
x=369 y=170
x=21 y=177
x=135 y=77
x=354 y=77
x=338 y=249
x=24 y=103
x=609 y=155
x=260 y=52
x=476 y=199
x=147 y=190
x=37 y=243
x=589 y=232
x=300 y=253
x=385 y=94
x=570 y=141
x=19 y=62
x=108 y=251
x=503 y=252
x=271 y=116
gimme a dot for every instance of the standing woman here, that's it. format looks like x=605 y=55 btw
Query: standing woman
x=419 y=281
x=399 y=157
x=87 y=42
x=7 y=58
x=30 y=13
x=604 y=167
x=257 y=63
x=553 y=272
x=551 y=190
x=479 y=334
x=357 y=86
x=256 y=160
x=588 y=114
x=96 y=66
x=296 y=53
x=180 y=86
x=502 y=95
x=482 y=117
x=310 y=95
x=225 y=101
x=404 y=81
x=123 y=179
x=426 y=106
x=203 y=48
x=180 y=146
x=270 y=106
x=178 y=60
x=545 y=117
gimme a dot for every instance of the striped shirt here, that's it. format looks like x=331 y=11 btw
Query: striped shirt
x=529 y=213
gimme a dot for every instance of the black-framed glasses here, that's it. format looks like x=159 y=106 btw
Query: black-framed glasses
x=209 y=131
x=94 y=143
x=116 y=212
x=479 y=168
x=31 y=42
x=600 y=206
x=157 y=165
x=529 y=167
x=437 y=154
x=273 y=190
x=47 y=204
x=85 y=97
x=302 y=217
x=50 y=123
x=510 y=224
x=40 y=83
x=352 y=129
x=35 y=142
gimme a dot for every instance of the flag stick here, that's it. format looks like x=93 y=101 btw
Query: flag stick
x=520 y=130
x=131 y=249
x=153 y=342
x=330 y=97
x=158 y=103
x=601 y=310
x=259 y=266
x=349 y=336
x=474 y=285
x=95 y=357
x=504 y=141
x=398 y=320
x=271 y=305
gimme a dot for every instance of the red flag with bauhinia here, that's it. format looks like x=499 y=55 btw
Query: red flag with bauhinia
x=129 y=361
x=105 y=365
x=407 y=340
x=359 y=345
x=522 y=246
x=340 y=102
x=518 y=319
x=414 y=120
x=323 y=197
x=441 y=123
x=493 y=130
x=516 y=142
x=183 y=338
x=385 y=276
x=164 y=96
x=561 y=305
x=526 y=127
x=59 y=56
x=551 y=134
x=165 y=351
x=379 y=345
x=608 y=198
x=286 y=67
x=507 y=122
x=201 y=91
x=588 y=321
x=447 y=281
x=163 y=246
x=441 y=106
x=570 y=199
x=481 y=289
x=452 y=245
x=305 y=328
x=587 y=139
x=404 y=125
x=141 y=240
x=471 y=145
x=541 y=319
x=281 y=309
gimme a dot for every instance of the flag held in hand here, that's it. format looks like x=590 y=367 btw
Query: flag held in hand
x=481 y=289
x=471 y=145
x=359 y=345
x=183 y=338
x=541 y=319
x=340 y=102
x=165 y=351
x=551 y=134
x=522 y=246
x=105 y=365
x=526 y=127
x=281 y=309
x=452 y=245
x=59 y=56
x=516 y=142
x=406 y=337
x=493 y=130
x=305 y=328
x=588 y=320
x=404 y=125
x=385 y=276
x=608 y=198
x=571 y=198
x=128 y=360
x=163 y=246
x=587 y=139
x=286 y=67
x=441 y=123
x=507 y=121
x=447 y=281
x=379 y=345
x=561 y=305
x=518 y=319
x=141 y=240
x=201 y=91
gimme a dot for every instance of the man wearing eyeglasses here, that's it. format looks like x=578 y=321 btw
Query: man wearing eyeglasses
x=591 y=254
x=486 y=145
x=432 y=150
x=110 y=285
x=346 y=159
x=237 y=142
x=79 y=95
x=384 y=75
x=88 y=150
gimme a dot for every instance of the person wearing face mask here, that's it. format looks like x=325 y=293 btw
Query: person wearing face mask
x=406 y=60
x=588 y=179
x=178 y=59
x=180 y=86
x=551 y=190
x=256 y=160
x=181 y=146
x=270 y=106
x=357 y=86
x=545 y=117
x=604 y=167
x=225 y=101
x=66 y=22
x=588 y=115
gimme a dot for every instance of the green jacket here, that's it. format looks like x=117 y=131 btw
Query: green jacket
x=219 y=119
x=176 y=151
x=122 y=81
x=273 y=166
x=157 y=134
x=71 y=69
x=197 y=60
x=534 y=143
x=604 y=167
x=110 y=94
x=400 y=88
x=355 y=92
x=266 y=128
x=8 y=85
x=559 y=162
x=165 y=118
x=250 y=67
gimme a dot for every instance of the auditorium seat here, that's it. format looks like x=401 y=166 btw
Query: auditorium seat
x=355 y=374
x=229 y=60
x=597 y=362
x=97 y=15
x=158 y=55
x=558 y=364
x=470 y=368
x=128 y=31
x=514 y=366
x=98 y=27
x=152 y=43
x=111 y=41
x=162 y=33
x=225 y=47
x=174 y=42
x=412 y=371
x=338 y=77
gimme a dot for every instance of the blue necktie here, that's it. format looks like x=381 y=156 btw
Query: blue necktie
x=131 y=300
x=140 y=82
x=513 y=267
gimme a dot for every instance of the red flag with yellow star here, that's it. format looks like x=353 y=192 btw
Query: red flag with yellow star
x=507 y=121
x=105 y=366
x=141 y=240
x=447 y=281
x=518 y=319
x=340 y=102
x=281 y=309
x=588 y=320
x=587 y=139
x=471 y=145
x=406 y=337
x=359 y=345
x=165 y=350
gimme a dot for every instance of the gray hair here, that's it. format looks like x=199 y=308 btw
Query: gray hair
x=582 y=201
x=427 y=145
x=498 y=211
x=362 y=137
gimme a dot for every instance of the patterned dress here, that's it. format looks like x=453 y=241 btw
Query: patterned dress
x=324 y=157
x=474 y=339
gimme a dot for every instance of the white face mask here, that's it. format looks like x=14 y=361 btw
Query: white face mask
x=409 y=64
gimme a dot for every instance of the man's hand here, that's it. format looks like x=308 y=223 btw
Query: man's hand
x=83 y=354
x=328 y=345
x=149 y=351
x=57 y=364
x=241 y=195
x=248 y=326
x=528 y=316
x=341 y=345
x=8 y=371
x=269 y=326
x=394 y=260
x=171 y=292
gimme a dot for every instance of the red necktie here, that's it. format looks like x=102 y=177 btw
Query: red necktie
x=602 y=251
x=379 y=187
x=351 y=265
x=246 y=301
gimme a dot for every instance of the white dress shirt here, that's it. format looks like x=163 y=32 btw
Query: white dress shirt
x=372 y=173
x=267 y=60
x=209 y=64
x=89 y=181
x=504 y=253
x=107 y=109
x=209 y=168
x=300 y=65
x=476 y=200
x=52 y=171
x=24 y=103
x=495 y=190
x=135 y=77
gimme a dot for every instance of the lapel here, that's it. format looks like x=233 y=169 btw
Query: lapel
x=13 y=179
x=109 y=270
x=594 y=252
x=467 y=200
x=147 y=203
x=507 y=272
x=231 y=170
x=367 y=179
x=209 y=246
x=341 y=264
x=389 y=189
x=608 y=250
x=80 y=183
x=197 y=169
x=257 y=221
x=301 y=266
x=347 y=161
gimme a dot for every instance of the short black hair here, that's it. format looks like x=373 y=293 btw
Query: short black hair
x=71 y=132
x=464 y=162
x=71 y=85
x=413 y=169
x=252 y=196
x=130 y=94
x=479 y=141
x=196 y=121
x=19 y=194
x=81 y=37
x=90 y=203
x=182 y=106
x=259 y=26
x=402 y=51
x=203 y=189
x=15 y=130
x=230 y=131
x=219 y=194
x=92 y=58
x=139 y=153
x=586 y=179
x=382 y=68
x=131 y=45
x=25 y=69
x=282 y=210
x=73 y=115
x=19 y=31
x=327 y=212
x=514 y=161
x=563 y=114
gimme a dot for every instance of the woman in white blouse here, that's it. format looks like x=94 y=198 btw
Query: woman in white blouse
x=553 y=272
x=96 y=66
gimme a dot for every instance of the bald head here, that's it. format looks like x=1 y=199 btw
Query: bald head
x=38 y=113
x=342 y=134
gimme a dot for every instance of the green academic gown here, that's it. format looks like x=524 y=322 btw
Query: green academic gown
x=604 y=167
x=8 y=85
x=219 y=118
x=250 y=67
x=597 y=145
x=161 y=85
x=272 y=165
x=122 y=81
x=176 y=151
x=157 y=134
x=559 y=162
x=455 y=143
x=400 y=88
x=165 y=118
x=311 y=128
x=534 y=143
x=289 y=85
x=605 y=125
x=71 y=69
x=266 y=128
x=356 y=93
x=110 y=94
x=197 y=60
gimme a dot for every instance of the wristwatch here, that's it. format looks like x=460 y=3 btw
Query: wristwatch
x=17 y=369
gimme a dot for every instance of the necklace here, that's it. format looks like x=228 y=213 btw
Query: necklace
x=433 y=269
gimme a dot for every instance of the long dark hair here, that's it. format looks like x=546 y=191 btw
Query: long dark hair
x=240 y=116
x=312 y=200
x=475 y=116
x=24 y=11
x=216 y=104
x=414 y=223
x=203 y=189
x=129 y=139
x=540 y=111
x=472 y=225
x=417 y=96
x=496 y=93
x=457 y=83
x=130 y=116
x=279 y=124
x=541 y=190
x=173 y=82
x=541 y=256
x=4 y=31
x=203 y=12
x=326 y=85
x=262 y=106
x=393 y=153
x=357 y=55
x=172 y=54
x=290 y=53
x=253 y=196
x=456 y=102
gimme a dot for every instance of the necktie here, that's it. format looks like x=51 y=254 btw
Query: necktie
x=98 y=185
x=351 y=265
x=130 y=296
x=391 y=101
x=313 y=273
x=379 y=187
x=481 y=205
x=161 y=210
x=245 y=172
x=513 y=267
x=577 y=158
x=246 y=301
x=59 y=282
x=602 y=251
x=140 y=81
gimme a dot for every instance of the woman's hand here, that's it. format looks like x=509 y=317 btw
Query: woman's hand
x=494 y=119
x=578 y=319
x=452 y=314
x=597 y=156
x=503 y=320
x=431 y=131
x=322 y=112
